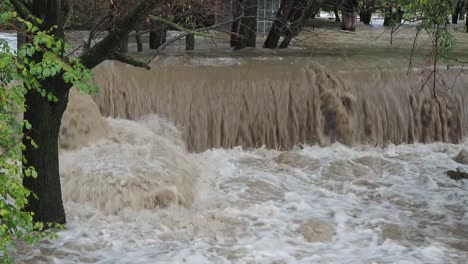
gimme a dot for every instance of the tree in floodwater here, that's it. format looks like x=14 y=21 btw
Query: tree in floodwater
x=457 y=11
x=244 y=26
x=366 y=9
x=21 y=72
x=288 y=22
x=349 y=10
x=47 y=74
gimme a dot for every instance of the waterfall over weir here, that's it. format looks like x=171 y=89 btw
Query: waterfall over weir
x=227 y=103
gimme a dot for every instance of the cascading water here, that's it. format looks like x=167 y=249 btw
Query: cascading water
x=227 y=103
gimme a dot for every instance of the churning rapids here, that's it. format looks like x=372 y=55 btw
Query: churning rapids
x=148 y=190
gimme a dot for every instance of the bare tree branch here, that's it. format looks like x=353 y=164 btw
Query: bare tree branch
x=105 y=48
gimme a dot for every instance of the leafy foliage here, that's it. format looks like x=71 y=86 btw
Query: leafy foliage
x=36 y=61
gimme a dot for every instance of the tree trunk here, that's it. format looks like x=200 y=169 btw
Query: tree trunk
x=388 y=20
x=157 y=37
x=337 y=15
x=278 y=25
x=45 y=118
x=190 y=42
x=123 y=45
x=300 y=12
x=400 y=15
x=457 y=12
x=234 y=29
x=139 y=41
x=20 y=36
x=349 y=14
x=366 y=13
x=244 y=30
x=251 y=22
x=465 y=8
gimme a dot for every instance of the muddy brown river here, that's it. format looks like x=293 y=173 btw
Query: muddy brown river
x=262 y=159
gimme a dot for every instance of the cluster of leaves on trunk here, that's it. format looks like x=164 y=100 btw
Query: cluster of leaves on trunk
x=22 y=71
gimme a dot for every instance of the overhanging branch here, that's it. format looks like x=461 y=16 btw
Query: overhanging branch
x=118 y=56
x=105 y=48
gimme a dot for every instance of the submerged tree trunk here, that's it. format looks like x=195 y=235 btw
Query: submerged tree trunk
x=251 y=22
x=123 y=45
x=138 y=41
x=279 y=25
x=349 y=14
x=300 y=12
x=190 y=42
x=244 y=30
x=337 y=15
x=455 y=18
x=466 y=18
x=388 y=20
x=157 y=37
x=366 y=13
x=457 y=11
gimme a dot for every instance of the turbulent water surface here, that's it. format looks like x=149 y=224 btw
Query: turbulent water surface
x=134 y=194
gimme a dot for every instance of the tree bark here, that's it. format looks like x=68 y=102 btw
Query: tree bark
x=349 y=14
x=45 y=118
x=279 y=25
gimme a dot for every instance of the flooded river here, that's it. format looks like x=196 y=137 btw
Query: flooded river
x=213 y=163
